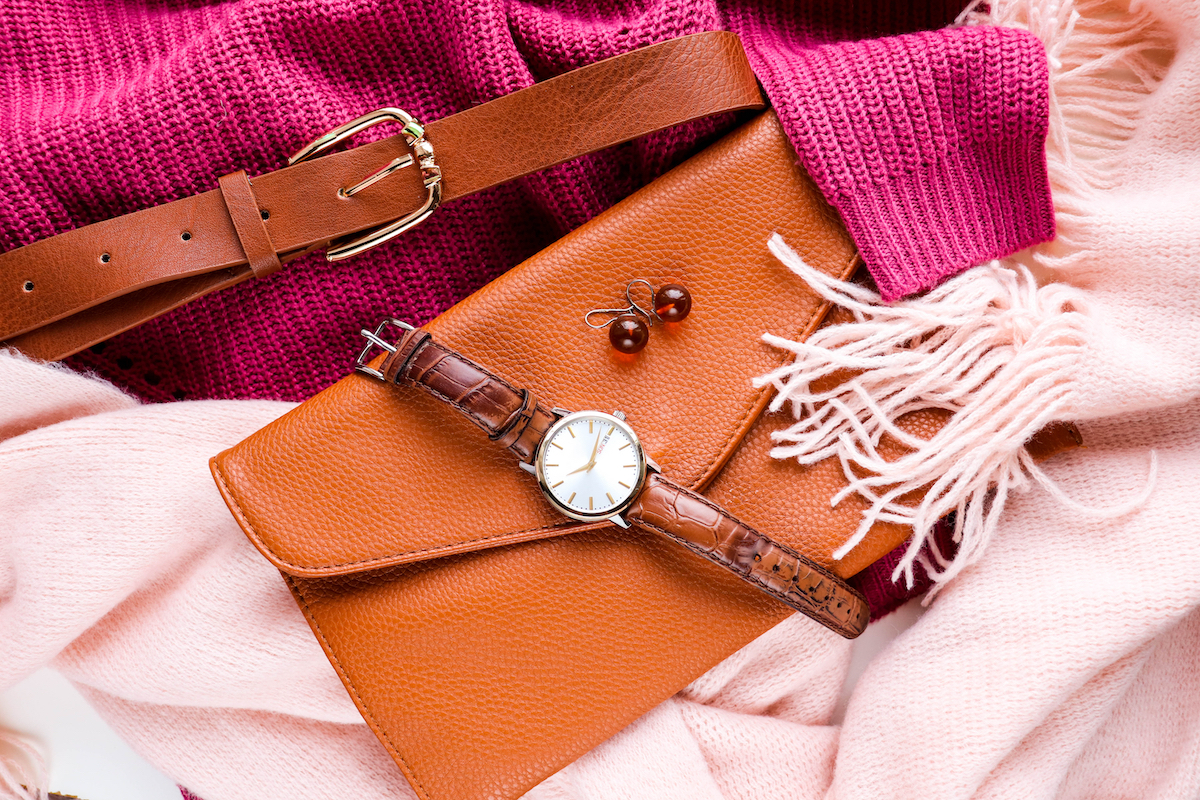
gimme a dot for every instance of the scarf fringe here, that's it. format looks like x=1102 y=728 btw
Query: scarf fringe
x=990 y=347
x=23 y=772
x=1106 y=59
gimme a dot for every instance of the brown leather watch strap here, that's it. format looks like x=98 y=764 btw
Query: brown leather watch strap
x=513 y=417
x=508 y=415
x=707 y=529
x=62 y=294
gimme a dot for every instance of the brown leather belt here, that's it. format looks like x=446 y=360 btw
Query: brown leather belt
x=63 y=294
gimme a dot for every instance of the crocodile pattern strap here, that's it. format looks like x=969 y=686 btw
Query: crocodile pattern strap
x=708 y=530
x=514 y=418
x=508 y=415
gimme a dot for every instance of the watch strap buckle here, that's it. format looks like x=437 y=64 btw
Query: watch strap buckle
x=375 y=340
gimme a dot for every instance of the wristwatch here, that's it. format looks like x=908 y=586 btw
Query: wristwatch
x=591 y=467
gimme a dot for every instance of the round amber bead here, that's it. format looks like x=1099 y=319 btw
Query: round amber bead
x=672 y=302
x=628 y=333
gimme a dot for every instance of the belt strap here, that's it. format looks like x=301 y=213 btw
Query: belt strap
x=63 y=294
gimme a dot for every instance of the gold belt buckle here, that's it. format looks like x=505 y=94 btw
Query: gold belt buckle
x=422 y=155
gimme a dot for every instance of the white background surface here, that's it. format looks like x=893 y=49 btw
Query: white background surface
x=86 y=758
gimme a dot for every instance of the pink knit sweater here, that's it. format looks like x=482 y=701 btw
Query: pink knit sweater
x=929 y=144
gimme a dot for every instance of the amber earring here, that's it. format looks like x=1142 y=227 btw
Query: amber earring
x=629 y=327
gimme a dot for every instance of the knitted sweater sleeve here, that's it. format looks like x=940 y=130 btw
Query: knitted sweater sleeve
x=930 y=145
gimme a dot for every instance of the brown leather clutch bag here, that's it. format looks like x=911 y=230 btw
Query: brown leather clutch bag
x=487 y=640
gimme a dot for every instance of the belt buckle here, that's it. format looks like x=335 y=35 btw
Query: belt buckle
x=422 y=155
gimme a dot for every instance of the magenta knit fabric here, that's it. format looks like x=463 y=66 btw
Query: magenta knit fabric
x=923 y=143
x=930 y=145
x=885 y=595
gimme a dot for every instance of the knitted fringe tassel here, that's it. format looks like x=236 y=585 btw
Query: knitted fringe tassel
x=989 y=346
x=1106 y=59
x=15 y=779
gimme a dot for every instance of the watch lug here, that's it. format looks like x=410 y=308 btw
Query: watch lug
x=559 y=412
x=619 y=415
x=652 y=465
x=525 y=465
x=618 y=520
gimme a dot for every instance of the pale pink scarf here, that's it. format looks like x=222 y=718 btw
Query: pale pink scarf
x=1058 y=661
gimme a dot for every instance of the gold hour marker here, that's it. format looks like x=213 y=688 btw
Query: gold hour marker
x=590 y=504
x=571 y=498
x=556 y=444
x=556 y=485
x=609 y=496
x=631 y=465
x=571 y=432
x=622 y=447
x=590 y=421
x=552 y=465
x=626 y=485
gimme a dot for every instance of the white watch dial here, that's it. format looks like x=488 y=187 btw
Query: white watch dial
x=591 y=464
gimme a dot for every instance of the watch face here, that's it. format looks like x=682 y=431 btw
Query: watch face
x=590 y=464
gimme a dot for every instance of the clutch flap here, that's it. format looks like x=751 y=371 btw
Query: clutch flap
x=366 y=475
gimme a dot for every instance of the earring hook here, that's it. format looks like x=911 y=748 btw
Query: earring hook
x=633 y=308
x=650 y=315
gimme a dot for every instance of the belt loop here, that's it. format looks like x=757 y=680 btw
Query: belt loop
x=510 y=431
x=248 y=221
x=395 y=365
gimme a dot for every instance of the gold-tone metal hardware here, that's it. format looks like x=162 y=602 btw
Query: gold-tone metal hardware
x=422 y=155
x=542 y=457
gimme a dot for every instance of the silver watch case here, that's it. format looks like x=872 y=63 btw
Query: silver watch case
x=643 y=462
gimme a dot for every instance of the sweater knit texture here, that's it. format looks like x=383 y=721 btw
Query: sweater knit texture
x=929 y=142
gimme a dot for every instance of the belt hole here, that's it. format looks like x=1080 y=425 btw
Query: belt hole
x=152 y=379
x=124 y=362
x=28 y=286
x=266 y=215
x=105 y=258
x=186 y=236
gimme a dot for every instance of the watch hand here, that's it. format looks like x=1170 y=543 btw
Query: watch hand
x=591 y=461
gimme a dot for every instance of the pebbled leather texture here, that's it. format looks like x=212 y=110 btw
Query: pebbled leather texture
x=486 y=640
x=91 y=283
x=688 y=394
x=708 y=530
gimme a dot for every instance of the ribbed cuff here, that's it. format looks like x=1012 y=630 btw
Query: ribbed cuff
x=930 y=145
x=966 y=208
